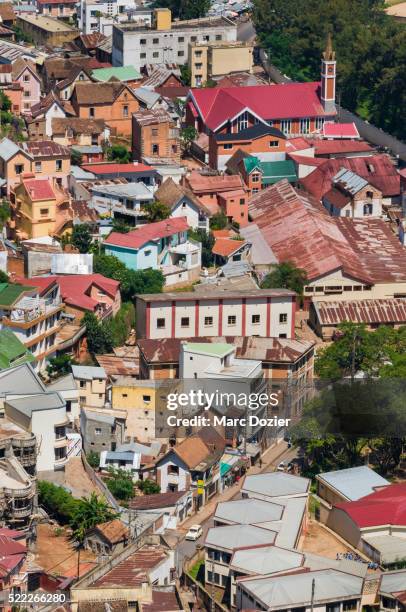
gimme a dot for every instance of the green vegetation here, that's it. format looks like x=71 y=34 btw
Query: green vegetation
x=76 y=157
x=184 y=9
x=197 y=571
x=118 y=153
x=121 y=226
x=81 y=237
x=157 y=211
x=218 y=221
x=4 y=277
x=185 y=74
x=60 y=365
x=131 y=282
x=187 y=136
x=287 y=276
x=123 y=322
x=207 y=240
x=93 y=459
x=120 y=484
x=370 y=48
x=4 y=213
x=148 y=487
x=98 y=333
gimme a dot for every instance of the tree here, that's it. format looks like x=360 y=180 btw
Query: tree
x=60 y=365
x=4 y=277
x=119 y=153
x=157 y=211
x=4 y=213
x=218 y=221
x=148 y=487
x=120 y=484
x=89 y=512
x=93 y=459
x=99 y=337
x=207 y=240
x=76 y=157
x=185 y=74
x=5 y=102
x=81 y=237
x=131 y=281
x=184 y=9
x=121 y=226
x=58 y=502
x=285 y=276
x=123 y=322
x=187 y=136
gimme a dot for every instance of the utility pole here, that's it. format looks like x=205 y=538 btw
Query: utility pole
x=312 y=599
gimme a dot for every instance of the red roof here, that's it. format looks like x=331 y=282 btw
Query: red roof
x=201 y=184
x=376 y=169
x=134 y=570
x=107 y=168
x=340 y=130
x=39 y=189
x=331 y=147
x=306 y=160
x=269 y=102
x=226 y=246
x=75 y=288
x=297 y=144
x=153 y=231
x=384 y=507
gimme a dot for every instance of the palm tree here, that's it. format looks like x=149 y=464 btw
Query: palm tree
x=90 y=511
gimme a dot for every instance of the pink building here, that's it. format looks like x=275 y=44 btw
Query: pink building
x=57 y=8
x=24 y=73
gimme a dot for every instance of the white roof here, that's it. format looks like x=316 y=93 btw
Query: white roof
x=129 y=190
x=393 y=582
x=265 y=560
x=238 y=536
x=8 y=149
x=88 y=372
x=275 y=484
x=354 y=483
x=248 y=511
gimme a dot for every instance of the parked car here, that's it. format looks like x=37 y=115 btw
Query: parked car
x=194 y=533
x=281 y=467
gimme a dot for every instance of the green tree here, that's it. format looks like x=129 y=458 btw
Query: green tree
x=120 y=484
x=5 y=102
x=123 y=322
x=60 y=365
x=131 y=281
x=119 y=153
x=4 y=213
x=157 y=211
x=218 y=221
x=187 y=136
x=4 y=277
x=185 y=9
x=57 y=501
x=121 y=226
x=285 y=276
x=185 y=74
x=93 y=459
x=148 y=487
x=99 y=336
x=81 y=237
x=89 y=512
x=207 y=240
x=76 y=157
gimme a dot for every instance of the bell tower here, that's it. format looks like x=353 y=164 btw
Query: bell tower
x=328 y=77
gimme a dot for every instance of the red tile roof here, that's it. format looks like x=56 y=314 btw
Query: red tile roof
x=297 y=144
x=384 y=507
x=286 y=101
x=151 y=232
x=111 y=168
x=200 y=184
x=340 y=130
x=39 y=189
x=226 y=246
x=132 y=571
x=298 y=229
x=46 y=148
x=76 y=287
x=157 y=500
x=391 y=310
x=331 y=147
x=162 y=601
x=305 y=160
x=376 y=169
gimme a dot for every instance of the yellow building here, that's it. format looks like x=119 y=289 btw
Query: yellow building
x=145 y=402
x=34 y=207
x=46 y=31
x=214 y=59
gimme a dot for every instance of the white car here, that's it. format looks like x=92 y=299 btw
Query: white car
x=194 y=533
x=281 y=467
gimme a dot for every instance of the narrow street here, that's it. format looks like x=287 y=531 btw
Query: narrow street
x=270 y=461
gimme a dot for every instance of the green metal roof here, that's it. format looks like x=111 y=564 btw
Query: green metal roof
x=122 y=73
x=12 y=350
x=9 y=293
x=217 y=349
x=224 y=468
x=272 y=171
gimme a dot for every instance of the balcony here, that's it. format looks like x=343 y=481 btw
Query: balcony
x=21 y=512
x=29 y=309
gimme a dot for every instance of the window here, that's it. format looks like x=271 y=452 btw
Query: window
x=242 y=121
x=154 y=131
x=26 y=93
x=44 y=212
x=155 y=149
x=143 y=55
x=231 y=319
x=184 y=322
x=124 y=395
x=95 y=139
x=223 y=578
x=210 y=576
x=160 y=323
x=143 y=41
x=255 y=177
x=60 y=453
x=283 y=317
x=155 y=41
x=207 y=37
x=351 y=604
x=181 y=39
x=255 y=319
x=60 y=433
x=19 y=168
x=219 y=37
x=319 y=123
x=26 y=78
x=242 y=201
x=38 y=167
x=274 y=143
x=91 y=111
x=305 y=126
x=173 y=469
x=198 y=66
x=146 y=398
x=228 y=146
x=208 y=321
x=282 y=336
x=181 y=53
x=368 y=209
x=193 y=38
x=125 y=111
x=97 y=431
x=255 y=190
x=286 y=126
x=82 y=399
x=58 y=165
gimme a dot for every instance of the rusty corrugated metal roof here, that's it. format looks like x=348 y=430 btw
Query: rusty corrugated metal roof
x=391 y=310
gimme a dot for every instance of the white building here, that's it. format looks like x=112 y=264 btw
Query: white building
x=167 y=41
x=127 y=201
x=263 y=312
x=352 y=196
x=67 y=389
x=72 y=263
x=100 y=15
x=91 y=384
